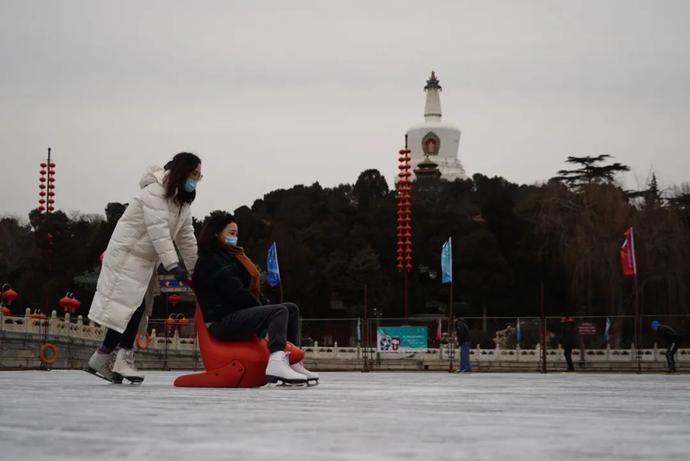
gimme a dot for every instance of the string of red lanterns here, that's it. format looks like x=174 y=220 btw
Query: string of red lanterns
x=404 y=212
x=46 y=186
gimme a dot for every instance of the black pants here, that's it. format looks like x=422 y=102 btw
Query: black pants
x=568 y=353
x=281 y=321
x=670 y=352
x=125 y=339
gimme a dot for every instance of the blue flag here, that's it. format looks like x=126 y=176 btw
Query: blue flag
x=359 y=330
x=447 y=261
x=607 y=328
x=273 y=271
x=518 y=333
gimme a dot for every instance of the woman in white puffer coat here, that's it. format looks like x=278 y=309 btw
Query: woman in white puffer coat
x=143 y=239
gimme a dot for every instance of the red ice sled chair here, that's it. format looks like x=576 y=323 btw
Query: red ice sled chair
x=231 y=363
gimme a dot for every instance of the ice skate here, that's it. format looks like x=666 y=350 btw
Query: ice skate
x=312 y=378
x=100 y=365
x=124 y=367
x=279 y=371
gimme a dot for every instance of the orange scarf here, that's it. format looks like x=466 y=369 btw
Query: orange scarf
x=254 y=276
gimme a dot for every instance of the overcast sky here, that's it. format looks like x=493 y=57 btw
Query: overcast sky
x=272 y=94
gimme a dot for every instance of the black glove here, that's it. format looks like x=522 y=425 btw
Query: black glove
x=180 y=273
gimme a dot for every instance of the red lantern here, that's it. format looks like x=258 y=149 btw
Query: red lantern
x=41 y=201
x=50 y=208
x=42 y=186
x=174 y=299
x=6 y=310
x=51 y=164
x=170 y=321
x=42 y=193
x=41 y=208
x=65 y=303
x=9 y=295
x=44 y=164
x=42 y=179
x=43 y=171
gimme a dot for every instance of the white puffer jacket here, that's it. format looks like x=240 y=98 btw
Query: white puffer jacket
x=142 y=239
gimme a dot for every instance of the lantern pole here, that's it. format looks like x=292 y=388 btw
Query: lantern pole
x=404 y=227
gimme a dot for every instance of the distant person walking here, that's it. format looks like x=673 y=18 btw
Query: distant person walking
x=463 y=334
x=567 y=339
x=144 y=237
x=672 y=341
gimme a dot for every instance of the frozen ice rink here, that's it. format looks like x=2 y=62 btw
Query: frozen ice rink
x=70 y=415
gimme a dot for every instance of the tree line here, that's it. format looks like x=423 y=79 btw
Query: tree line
x=509 y=241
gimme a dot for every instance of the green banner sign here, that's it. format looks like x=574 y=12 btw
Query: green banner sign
x=401 y=339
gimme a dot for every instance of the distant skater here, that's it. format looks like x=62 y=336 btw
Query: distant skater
x=567 y=339
x=672 y=341
x=463 y=333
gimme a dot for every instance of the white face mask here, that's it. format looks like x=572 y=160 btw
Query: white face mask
x=231 y=240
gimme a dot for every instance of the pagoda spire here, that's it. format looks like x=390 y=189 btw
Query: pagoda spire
x=432 y=108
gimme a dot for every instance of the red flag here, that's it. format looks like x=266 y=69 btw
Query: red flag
x=439 y=332
x=627 y=254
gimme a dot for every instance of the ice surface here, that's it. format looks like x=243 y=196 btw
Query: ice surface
x=71 y=415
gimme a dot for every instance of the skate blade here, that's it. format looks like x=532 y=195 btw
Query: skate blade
x=312 y=382
x=115 y=379
x=282 y=382
x=132 y=379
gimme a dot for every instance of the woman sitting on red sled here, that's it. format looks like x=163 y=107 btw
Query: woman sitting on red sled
x=227 y=287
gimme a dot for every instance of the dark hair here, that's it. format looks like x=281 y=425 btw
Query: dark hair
x=214 y=225
x=179 y=168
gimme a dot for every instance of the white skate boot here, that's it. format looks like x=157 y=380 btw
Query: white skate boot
x=124 y=366
x=279 y=371
x=100 y=365
x=312 y=378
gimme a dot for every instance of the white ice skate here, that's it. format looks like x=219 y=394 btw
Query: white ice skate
x=279 y=371
x=124 y=367
x=100 y=365
x=312 y=378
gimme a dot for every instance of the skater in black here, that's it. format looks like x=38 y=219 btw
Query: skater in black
x=463 y=334
x=567 y=339
x=227 y=285
x=672 y=339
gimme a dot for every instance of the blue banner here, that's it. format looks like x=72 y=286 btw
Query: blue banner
x=518 y=333
x=402 y=339
x=607 y=328
x=359 y=330
x=447 y=261
x=272 y=269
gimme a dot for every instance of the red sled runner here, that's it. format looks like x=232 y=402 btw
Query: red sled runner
x=231 y=363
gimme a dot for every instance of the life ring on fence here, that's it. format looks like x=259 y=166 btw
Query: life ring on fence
x=54 y=351
x=145 y=345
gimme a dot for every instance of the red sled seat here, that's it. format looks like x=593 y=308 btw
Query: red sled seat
x=231 y=363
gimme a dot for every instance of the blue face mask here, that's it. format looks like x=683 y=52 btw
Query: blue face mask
x=231 y=240
x=190 y=185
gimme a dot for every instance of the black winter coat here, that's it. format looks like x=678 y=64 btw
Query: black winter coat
x=668 y=334
x=462 y=331
x=568 y=334
x=221 y=285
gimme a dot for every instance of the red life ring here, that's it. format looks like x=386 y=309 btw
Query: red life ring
x=146 y=344
x=54 y=351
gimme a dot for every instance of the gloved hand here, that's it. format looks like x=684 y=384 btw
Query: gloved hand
x=180 y=273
